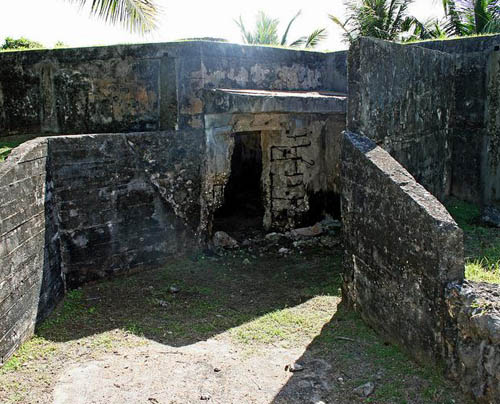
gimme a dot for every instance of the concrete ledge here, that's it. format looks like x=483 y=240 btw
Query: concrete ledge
x=261 y=101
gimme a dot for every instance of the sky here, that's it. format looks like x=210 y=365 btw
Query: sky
x=49 y=21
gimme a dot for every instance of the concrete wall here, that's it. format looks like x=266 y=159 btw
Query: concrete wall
x=405 y=268
x=490 y=161
x=78 y=208
x=300 y=141
x=402 y=249
x=427 y=105
x=30 y=278
x=125 y=201
x=399 y=98
x=475 y=360
x=129 y=88
x=300 y=160
x=461 y=46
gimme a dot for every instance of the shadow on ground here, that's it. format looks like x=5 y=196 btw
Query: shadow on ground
x=192 y=299
x=347 y=355
x=226 y=328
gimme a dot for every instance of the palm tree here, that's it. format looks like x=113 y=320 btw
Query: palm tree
x=470 y=17
x=135 y=15
x=384 y=19
x=266 y=32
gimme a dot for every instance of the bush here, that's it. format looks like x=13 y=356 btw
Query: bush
x=21 y=43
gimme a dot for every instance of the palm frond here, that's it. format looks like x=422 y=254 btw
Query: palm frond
x=139 y=16
x=245 y=35
x=315 y=38
x=285 y=35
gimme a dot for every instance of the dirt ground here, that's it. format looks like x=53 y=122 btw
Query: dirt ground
x=248 y=326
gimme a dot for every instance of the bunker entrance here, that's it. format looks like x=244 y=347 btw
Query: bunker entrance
x=242 y=212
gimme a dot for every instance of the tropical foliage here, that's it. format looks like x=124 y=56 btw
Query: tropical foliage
x=384 y=19
x=139 y=16
x=470 y=17
x=265 y=32
x=21 y=44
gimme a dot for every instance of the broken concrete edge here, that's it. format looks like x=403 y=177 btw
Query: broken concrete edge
x=154 y=49
x=475 y=361
x=432 y=313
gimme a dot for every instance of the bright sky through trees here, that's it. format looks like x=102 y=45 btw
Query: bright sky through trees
x=49 y=21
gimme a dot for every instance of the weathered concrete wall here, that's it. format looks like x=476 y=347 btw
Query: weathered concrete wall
x=125 y=201
x=77 y=208
x=490 y=159
x=399 y=97
x=30 y=277
x=468 y=126
x=402 y=249
x=300 y=140
x=129 y=88
x=300 y=159
x=475 y=363
x=405 y=268
x=427 y=105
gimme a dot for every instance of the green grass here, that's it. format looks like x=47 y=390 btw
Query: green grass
x=358 y=343
x=273 y=303
x=289 y=325
x=482 y=244
x=483 y=271
x=465 y=214
x=6 y=145
x=34 y=349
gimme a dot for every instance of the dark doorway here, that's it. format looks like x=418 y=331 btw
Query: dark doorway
x=243 y=211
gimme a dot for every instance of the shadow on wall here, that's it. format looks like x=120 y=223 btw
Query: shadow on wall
x=30 y=278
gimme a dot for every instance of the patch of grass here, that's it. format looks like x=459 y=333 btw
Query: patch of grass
x=482 y=271
x=34 y=349
x=398 y=379
x=72 y=307
x=465 y=214
x=288 y=325
x=6 y=146
x=482 y=244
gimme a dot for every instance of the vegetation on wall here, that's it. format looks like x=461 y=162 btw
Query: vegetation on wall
x=265 y=32
x=20 y=44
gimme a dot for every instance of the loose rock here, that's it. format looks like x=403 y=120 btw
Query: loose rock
x=273 y=236
x=311 y=231
x=491 y=216
x=294 y=367
x=223 y=240
x=365 y=389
